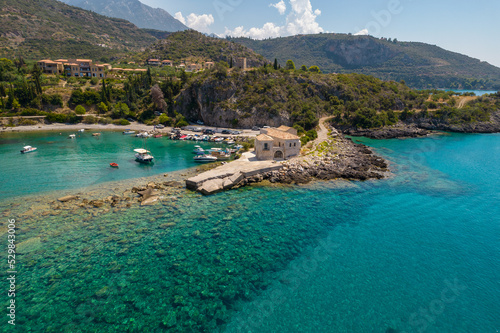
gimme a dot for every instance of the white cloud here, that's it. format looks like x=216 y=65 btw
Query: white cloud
x=178 y=16
x=363 y=32
x=300 y=20
x=196 y=22
x=280 y=6
x=268 y=30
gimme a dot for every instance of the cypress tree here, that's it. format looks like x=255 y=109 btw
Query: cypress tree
x=275 y=63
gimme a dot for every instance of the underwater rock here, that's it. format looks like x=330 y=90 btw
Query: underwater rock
x=67 y=198
x=96 y=203
x=147 y=193
x=167 y=225
x=102 y=292
x=151 y=200
x=29 y=245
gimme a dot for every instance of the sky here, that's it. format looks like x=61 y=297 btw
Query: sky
x=468 y=27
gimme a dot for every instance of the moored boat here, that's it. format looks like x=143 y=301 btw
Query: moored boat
x=128 y=131
x=113 y=165
x=96 y=134
x=81 y=130
x=221 y=155
x=28 y=149
x=198 y=150
x=72 y=136
x=144 y=135
x=143 y=156
x=205 y=158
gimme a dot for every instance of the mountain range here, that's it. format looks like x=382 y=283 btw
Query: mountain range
x=420 y=65
x=134 y=11
x=52 y=29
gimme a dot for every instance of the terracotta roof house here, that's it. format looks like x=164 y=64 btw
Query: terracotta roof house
x=277 y=143
x=154 y=62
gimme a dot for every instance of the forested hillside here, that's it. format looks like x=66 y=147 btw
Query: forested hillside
x=420 y=65
x=37 y=29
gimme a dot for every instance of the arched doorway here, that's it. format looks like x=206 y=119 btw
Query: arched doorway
x=278 y=155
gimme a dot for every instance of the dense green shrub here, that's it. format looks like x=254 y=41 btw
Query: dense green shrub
x=80 y=110
x=121 y=122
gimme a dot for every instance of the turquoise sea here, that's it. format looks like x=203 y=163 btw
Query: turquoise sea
x=476 y=92
x=418 y=252
x=63 y=163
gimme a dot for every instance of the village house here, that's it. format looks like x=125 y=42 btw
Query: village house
x=154 y=62
x=168 y=63
x=193 y=67
x=73 y=67
x=209 y=64
x=277 y=143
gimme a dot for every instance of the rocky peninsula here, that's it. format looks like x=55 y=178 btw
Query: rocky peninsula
x=332 y=156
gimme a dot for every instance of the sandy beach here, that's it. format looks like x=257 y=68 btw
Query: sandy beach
x=91 y=127
x=135 y=126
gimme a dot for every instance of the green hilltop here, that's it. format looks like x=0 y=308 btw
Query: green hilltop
x=420 y=65
x=193 y=45
x=51 y=29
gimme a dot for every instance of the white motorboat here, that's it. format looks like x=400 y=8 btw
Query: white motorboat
x=72 y=136
x=205 y=158
x=143 y=156
x=128 y=132
x=144 y=135
x=198 y=150
x=81 y=130
x=28 y=149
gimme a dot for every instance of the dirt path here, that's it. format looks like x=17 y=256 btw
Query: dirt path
x=322 y=132
x=465 y=100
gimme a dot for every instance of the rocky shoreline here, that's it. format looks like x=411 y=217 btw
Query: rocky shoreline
x=397 y=131
x=342 y=159
x=423 y=127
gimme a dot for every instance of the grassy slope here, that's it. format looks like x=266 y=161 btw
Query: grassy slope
x=35 y=29
x=420 y=65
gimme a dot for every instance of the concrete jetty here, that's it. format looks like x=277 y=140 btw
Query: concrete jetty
x=227 y=176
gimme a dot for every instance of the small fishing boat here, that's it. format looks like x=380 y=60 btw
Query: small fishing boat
x=230 y=142
x=72 y=136
x=144 y=135
x=113 y=165
x=128 y=131
x=28 y=149
x=205 y=158
x=183 y=137
x=238 y=147
x=143 y=156
x=81 y=130
x=96 y=134
x=198 y=150
x=222 y=155
x=158 y=136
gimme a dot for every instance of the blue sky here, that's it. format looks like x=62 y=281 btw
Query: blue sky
x=470 y=28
